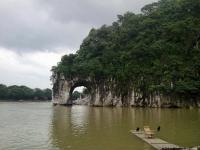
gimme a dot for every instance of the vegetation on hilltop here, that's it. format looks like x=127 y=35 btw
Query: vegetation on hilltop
x=157 y=51
x=15 y=92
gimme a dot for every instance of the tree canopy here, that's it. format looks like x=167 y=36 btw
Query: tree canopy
x=157 y=50
x=15 y=92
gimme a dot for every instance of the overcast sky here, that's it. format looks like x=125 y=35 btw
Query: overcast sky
x=34 y=34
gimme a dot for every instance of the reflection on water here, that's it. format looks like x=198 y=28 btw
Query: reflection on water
x=78 y=120
x=85 y=128
x=41 y=126
x=108 y=128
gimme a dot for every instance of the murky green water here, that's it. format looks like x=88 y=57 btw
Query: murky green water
x=41 y=126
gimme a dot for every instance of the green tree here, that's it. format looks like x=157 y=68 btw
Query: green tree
x=157 y=51
x=3 y=91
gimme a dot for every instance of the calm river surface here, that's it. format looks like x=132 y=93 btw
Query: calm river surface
x=25 y=126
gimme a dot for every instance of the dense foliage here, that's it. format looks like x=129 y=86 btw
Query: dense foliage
x=75 y=95
x=23 y=93
x=157 y=51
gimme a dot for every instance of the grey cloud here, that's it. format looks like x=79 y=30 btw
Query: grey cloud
x=94 y=12
x=50 y=24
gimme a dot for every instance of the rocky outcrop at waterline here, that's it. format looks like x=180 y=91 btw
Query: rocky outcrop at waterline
x=82 y=101
x=105 y=94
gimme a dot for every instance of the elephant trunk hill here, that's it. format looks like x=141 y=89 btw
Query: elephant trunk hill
x=150 y=59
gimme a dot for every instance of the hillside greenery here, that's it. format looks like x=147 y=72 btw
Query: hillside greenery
x=17 y=93
x=156 y=51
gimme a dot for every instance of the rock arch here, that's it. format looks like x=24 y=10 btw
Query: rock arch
x=101 y=93
x=63 y=89
x=79 y=83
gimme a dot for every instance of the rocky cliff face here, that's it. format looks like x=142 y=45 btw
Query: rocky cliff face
x=103 y=94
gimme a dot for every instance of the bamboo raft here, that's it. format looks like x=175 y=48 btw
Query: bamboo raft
x=159 y=144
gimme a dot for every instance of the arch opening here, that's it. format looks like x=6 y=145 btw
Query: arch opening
x=80 y=93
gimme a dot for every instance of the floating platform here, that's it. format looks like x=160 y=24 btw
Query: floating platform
x=159 y=144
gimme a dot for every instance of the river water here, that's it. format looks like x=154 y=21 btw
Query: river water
x=30 y=125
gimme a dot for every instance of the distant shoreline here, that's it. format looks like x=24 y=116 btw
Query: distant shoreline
x=25 y=100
